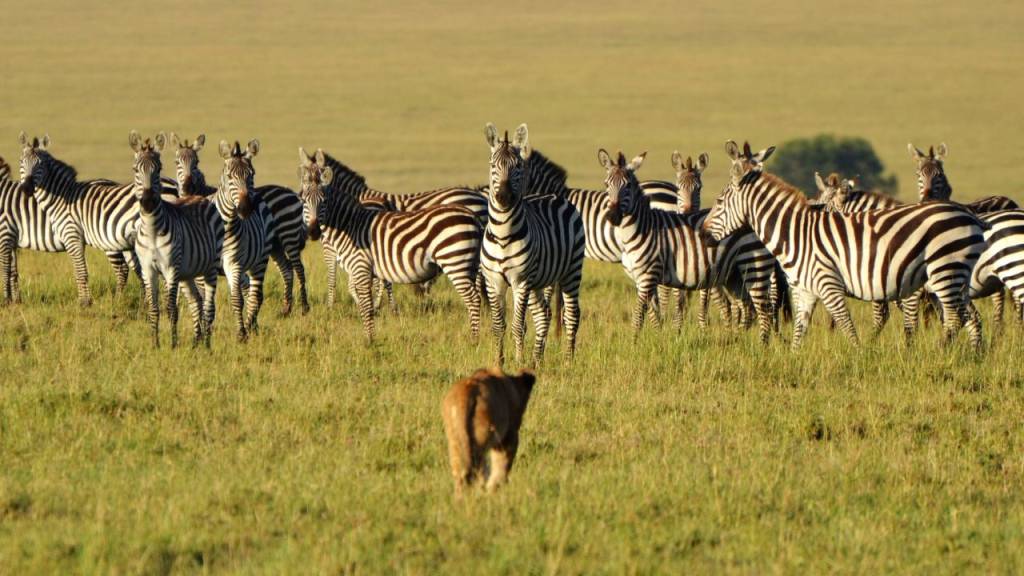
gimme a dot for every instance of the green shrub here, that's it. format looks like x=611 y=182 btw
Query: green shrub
x=797 y=160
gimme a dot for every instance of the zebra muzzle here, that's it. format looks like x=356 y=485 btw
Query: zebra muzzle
x=314 y=230
x=27 y=187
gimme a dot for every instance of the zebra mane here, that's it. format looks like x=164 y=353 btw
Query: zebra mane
x=543 y=171
x=345 y=178
x=58 y=166
x=776 y=184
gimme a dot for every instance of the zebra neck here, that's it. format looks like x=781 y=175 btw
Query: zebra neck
x=153 y=220
x=635 y=225
x=775 y=219
x=351 y=218
x=503 y=223
x=57 y=189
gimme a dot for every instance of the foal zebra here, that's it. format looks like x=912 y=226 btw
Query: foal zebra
x=248 y=232
x=285 y=206
x=877 y=255
x=667 y=248
x=178 y=240
x=400 y=247
x=97 y=213
x=529 y=244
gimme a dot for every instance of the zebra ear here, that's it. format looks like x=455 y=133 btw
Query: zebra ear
x=492 y=135
x=326 y=175
x=522 y=137
x=199 y=143
x=161 y=141
x=605 y=159
x=732 y=149
x=915 y=152
x=23 y=139
x=637 y=162
x=46 y=142
x=321 y=160
x=252 y=148
x=764 y=154
x=304 y=159
x=819 y=182
x=225 y=149
x=135 y=141
x=833 y=180
x=941 y=152
x=677 y=161
x=175 y=141
x=702 y=161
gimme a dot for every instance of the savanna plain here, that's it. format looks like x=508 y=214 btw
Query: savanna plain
x=307 y=450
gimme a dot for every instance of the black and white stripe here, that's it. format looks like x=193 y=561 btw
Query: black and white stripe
x=932 y=183
x=179 y=241
x=399 y=247
x=667 y=248
x=530 y=244
x=248 y=233
x=289 y=230
x=98 y=213
x=879 y=255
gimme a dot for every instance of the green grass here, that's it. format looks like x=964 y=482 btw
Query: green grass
x=308 y=451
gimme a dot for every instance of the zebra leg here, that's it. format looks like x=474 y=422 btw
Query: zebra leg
x=300 y=273
x=805 y=302
x=834 y=300
x=15 y=280
x=549 y=295
x=195 y=307
x=998 y=303
x=520 y=300
x=360 y=282
x=285 y=266
x=151 y=285
x=724 y=307
x=541 y=312
x=389 y=290
x=661 y=302
x=496 y=289
x=209 y=305
x=121 y=270
x=571 y=310
x=879 y=316
x=466 y=287
x=677 y=303
x=702 y=310
x=234 y=278
x=645 y=290
x=908 y=307
x=255 y=301
x=6 y=265
x=76 y=250
x=331 y=262
x=973 y=322
x=172 y=308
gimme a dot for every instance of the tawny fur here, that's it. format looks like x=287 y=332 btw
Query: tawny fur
x=482 y=415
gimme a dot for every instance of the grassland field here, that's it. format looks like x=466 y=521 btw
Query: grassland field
x=308 y=451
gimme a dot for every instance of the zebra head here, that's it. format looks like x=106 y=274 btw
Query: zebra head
x=688 y=180
x=931 y=175
x=508 y=166
x=729 y=213
x=190 y=178
x=833 y=192
x=146 y=169
x=621 y=185
x=35 y=162
x=314 y=178
x=747 y=160
x=236 y=181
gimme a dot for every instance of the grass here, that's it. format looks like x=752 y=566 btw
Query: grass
x=308 y=451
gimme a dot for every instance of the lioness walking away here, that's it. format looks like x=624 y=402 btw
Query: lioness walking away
x=482 y=415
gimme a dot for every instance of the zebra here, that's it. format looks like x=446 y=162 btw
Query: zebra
x=98 y=213
x=933 y=185
x=338 y=247
x=178 y=240
x=399 y=247
x=248 y=233
x=987 y=279
x=837 y=196
x=529 y=244
x=285 y=206
x=875 y=255
x=667 y=248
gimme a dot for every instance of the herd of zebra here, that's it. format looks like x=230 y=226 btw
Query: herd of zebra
x=762 y=249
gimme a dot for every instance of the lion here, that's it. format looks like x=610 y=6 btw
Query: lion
x=482 y=415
